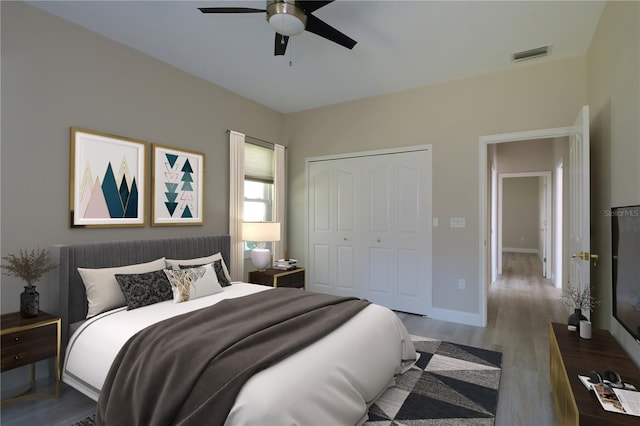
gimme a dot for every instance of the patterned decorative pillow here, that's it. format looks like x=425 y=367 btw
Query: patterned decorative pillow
x=144 y=289
x=192 y=283
x=175 y=263
x=217 y=266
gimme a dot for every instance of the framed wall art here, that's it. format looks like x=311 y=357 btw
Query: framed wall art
x=107 y=180
x=177 y=186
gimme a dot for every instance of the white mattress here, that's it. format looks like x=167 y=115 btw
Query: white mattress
x=329 y=382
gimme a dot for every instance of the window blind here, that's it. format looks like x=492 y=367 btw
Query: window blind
x=258 y=163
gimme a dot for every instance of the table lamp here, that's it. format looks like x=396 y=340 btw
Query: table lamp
x=261 y=232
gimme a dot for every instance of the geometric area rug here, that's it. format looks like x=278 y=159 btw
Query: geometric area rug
x=450 y=384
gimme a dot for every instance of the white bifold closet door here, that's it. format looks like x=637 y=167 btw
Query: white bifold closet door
x=369 y=228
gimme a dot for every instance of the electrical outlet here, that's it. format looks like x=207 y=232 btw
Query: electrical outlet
x=461 y=284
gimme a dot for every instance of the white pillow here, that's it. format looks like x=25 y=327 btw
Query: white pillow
x=103 y=291
x=191 y=283
x=175 y=263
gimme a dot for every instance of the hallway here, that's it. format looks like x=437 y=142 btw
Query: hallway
x=521 y=305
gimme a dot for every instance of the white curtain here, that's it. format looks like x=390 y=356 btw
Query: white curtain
x=236 y=204
x=279 y=205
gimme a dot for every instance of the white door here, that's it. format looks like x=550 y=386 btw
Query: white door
x=545 y=223
x=396 y=222
x=379 y=220
x=333 y=226
x=542 y=225
x=579 y=203
x=493 y=228
x=369 y=227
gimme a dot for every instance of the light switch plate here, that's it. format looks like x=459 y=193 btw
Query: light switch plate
x=456 y=222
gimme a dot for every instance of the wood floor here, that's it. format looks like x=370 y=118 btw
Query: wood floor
x=521 y=304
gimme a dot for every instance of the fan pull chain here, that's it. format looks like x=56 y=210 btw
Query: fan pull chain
x=290 y=49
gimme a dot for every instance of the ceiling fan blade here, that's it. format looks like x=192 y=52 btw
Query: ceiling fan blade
x=280 y=44
x=229 y=10
x=310 y=6
x=321 y=28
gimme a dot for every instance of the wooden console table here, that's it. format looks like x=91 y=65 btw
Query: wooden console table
x=569 y=356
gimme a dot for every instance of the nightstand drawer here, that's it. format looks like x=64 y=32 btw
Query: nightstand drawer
x=28 y=346
x=295 y=280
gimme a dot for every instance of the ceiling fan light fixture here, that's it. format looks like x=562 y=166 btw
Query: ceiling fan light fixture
x=285 y=18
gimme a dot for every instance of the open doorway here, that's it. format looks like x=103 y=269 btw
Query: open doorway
x=524 y=222
x=518 y=152
x=575 y=164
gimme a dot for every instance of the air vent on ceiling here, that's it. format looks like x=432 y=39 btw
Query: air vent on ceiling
x=531 y=53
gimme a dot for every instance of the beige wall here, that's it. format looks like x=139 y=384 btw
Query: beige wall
x=527 y=156
x=520 y=211
x=613 y=85
x=56 y=75
x=450 y=116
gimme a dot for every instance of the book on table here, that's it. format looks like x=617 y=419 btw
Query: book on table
x=285 y=264
x=618 y=400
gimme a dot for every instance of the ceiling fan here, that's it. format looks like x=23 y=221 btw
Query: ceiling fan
x=288 y=18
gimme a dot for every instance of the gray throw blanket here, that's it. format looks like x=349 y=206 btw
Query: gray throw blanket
x=188 y=370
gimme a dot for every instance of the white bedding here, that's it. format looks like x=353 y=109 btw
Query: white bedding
x=329 y=382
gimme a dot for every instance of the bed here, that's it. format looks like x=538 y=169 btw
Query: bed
x=332 y=380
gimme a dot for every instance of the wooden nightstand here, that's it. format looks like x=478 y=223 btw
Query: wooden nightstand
x=278 y=278
x=26 y=341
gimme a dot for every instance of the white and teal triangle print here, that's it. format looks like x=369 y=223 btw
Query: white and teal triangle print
x=178 y=186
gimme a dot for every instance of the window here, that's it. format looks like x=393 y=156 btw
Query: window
x=258 y=188
x=238 y=146
x=258 y=206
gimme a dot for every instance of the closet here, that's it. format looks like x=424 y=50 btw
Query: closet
x=369 y=228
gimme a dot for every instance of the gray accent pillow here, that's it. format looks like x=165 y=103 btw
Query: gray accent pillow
x=144 y=289
x=103 y=291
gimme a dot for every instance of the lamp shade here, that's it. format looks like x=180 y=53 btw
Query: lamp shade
x=261 y=231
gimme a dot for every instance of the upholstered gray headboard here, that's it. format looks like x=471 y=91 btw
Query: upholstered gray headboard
x=72 y=297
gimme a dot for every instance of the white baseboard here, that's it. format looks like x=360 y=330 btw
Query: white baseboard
x=456 y=316
x=520 y=250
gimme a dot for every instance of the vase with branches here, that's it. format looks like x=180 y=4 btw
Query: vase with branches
x=579 y=298
x=28 y=266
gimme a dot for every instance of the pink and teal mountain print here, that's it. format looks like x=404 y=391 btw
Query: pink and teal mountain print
x=115 y=197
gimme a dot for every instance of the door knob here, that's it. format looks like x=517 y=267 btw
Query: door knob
x=582 y=255
x=586 y=256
